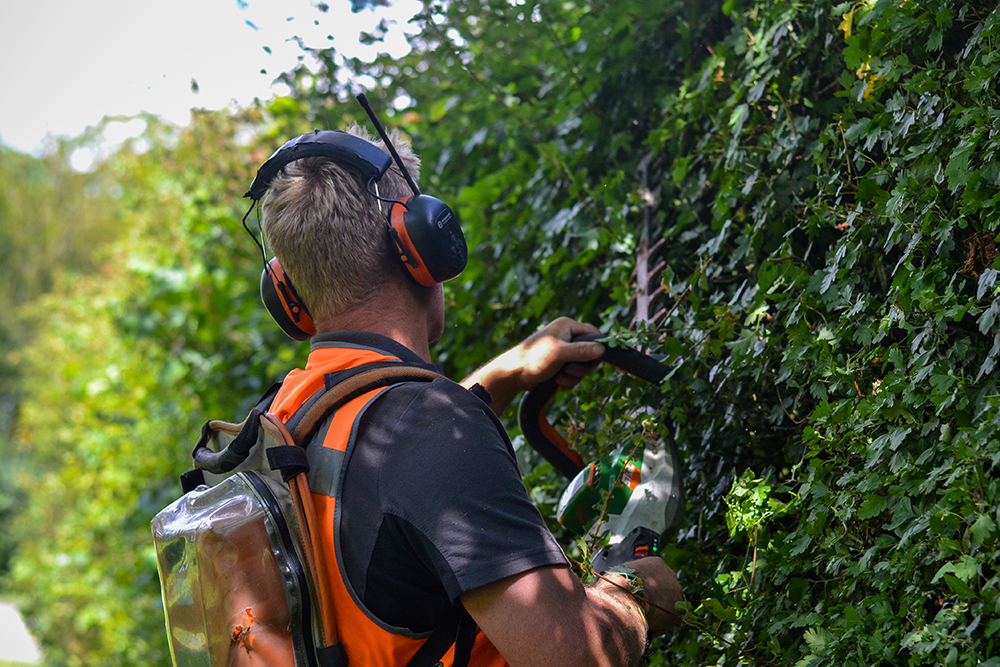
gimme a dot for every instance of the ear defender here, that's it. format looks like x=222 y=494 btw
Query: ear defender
x=428 y=239
x=284 y=304
x=424 y=231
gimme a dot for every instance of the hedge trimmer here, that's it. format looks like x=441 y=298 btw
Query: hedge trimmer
x=633 y=495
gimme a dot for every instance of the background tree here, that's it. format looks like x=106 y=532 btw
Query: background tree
x=124 y=366
x=53 y=223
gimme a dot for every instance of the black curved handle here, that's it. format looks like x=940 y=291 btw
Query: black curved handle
x=543 y=437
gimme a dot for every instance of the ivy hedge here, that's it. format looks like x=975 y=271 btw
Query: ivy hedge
x=831 y=216
x=797 y=202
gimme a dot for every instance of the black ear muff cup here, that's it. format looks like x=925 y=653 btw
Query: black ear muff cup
x=428 y=239
x=283 y=303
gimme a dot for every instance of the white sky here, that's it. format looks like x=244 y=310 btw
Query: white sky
x=65 y=64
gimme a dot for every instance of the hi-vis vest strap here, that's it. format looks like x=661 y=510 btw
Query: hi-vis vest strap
x=366 y=641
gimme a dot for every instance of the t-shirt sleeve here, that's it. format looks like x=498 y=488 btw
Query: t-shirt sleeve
x=450 y=476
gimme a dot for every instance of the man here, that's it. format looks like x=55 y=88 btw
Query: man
x=428 y=513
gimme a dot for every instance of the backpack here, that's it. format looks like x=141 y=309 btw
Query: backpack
x=238 y=555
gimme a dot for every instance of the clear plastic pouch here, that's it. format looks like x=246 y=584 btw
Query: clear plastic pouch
x=234 y=588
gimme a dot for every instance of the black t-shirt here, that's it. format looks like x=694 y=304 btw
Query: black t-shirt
x=432 y=502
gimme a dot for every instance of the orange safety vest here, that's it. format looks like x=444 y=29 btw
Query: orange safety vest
x=367 y=641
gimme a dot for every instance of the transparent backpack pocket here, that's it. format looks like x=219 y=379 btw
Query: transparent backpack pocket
x=235 y=591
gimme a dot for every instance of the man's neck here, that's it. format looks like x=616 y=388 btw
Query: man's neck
x=394 y=313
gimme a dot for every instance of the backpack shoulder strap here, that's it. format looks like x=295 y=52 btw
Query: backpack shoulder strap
x=347 y=385
x=459 y=629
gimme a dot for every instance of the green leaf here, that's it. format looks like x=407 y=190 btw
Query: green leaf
x=680 y=169
x=872 y=506
x=989 y=316
x=958 y=171
x=721 y=612
x=959 y=587
x=815 y=639
x=983 y=528
x=935 y=40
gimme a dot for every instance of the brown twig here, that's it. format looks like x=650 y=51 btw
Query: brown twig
x=788 y=112
x=781 y=402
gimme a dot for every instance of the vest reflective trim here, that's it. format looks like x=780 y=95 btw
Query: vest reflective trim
x=324 y=467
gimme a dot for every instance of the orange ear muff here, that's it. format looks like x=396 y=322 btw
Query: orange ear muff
x=428 y=239
x=284 y=304
x=405 y=250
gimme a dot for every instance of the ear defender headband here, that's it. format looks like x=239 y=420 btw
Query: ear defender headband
x=424 y=231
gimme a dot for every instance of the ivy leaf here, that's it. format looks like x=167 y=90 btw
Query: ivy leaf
x=959 y=587
x=983 y=528
x=872 y=506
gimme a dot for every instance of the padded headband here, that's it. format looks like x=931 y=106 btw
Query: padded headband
x=368 y=158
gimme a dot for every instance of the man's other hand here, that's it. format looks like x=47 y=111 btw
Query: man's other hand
x=548 y=353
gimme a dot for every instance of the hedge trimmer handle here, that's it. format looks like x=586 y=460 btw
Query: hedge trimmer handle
x=543 y=437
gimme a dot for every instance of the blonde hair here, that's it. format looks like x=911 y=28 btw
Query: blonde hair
x=330 y=233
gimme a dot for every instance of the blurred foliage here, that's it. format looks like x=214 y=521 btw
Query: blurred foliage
x=53 y=224
x=810 y=192
x=125 y=365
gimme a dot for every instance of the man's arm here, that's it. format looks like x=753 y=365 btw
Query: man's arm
x=546 y=617
x=545 y=354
